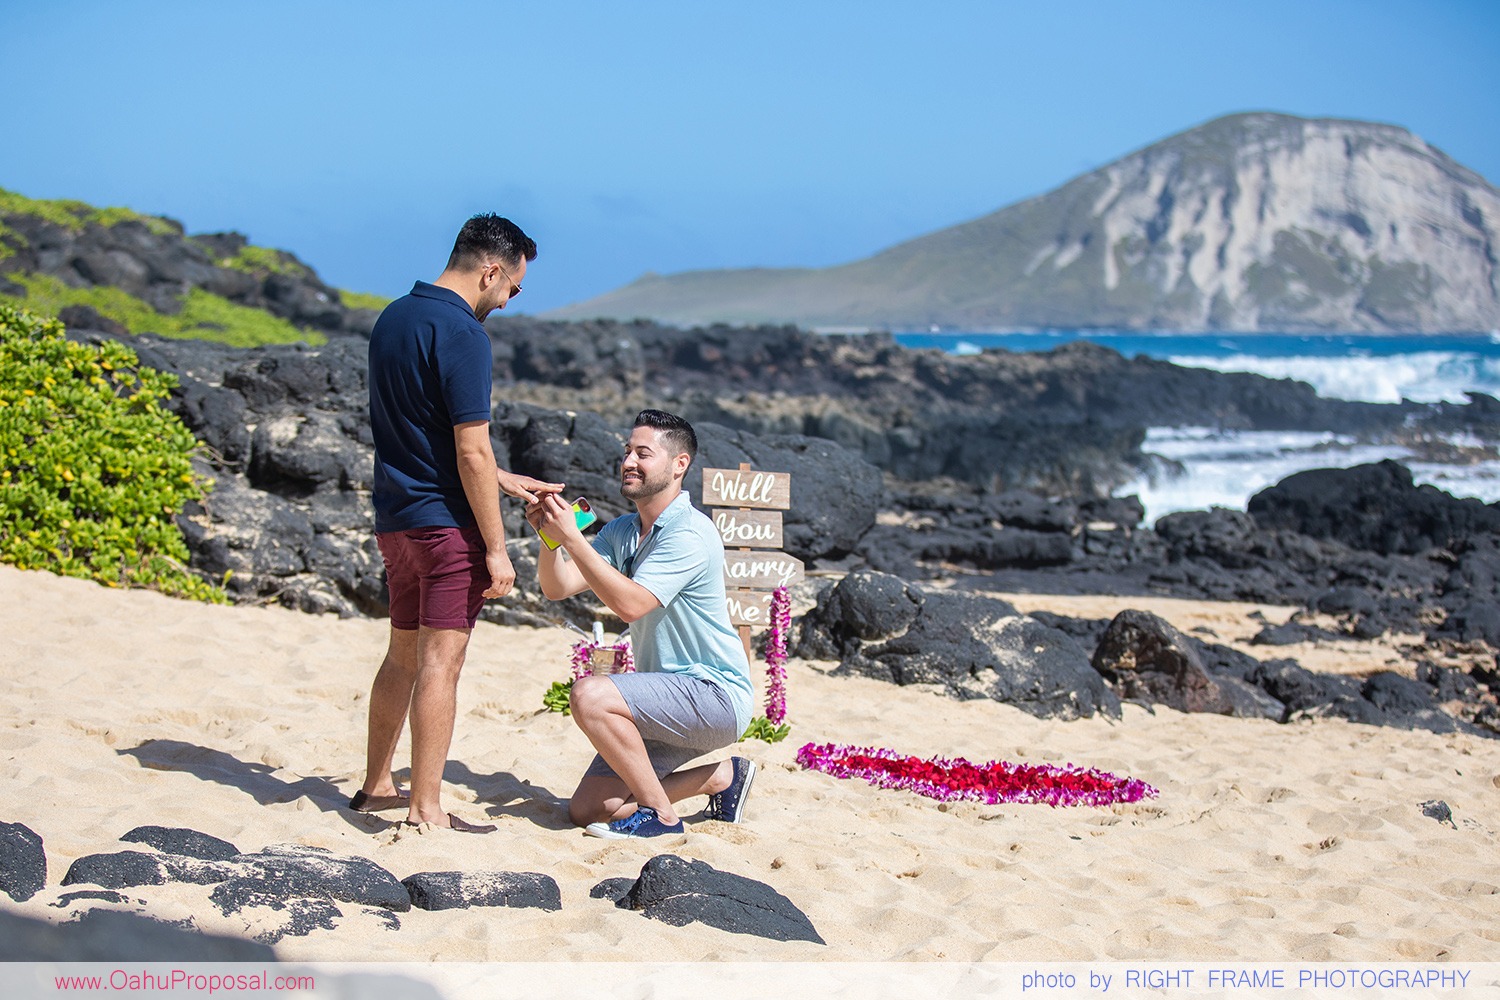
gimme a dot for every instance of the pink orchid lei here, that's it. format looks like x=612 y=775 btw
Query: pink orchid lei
x=583 y=651
x=781 y=622
x=958 y=779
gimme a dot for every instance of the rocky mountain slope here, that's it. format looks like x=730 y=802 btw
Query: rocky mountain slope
x=116 y=270
x=1253 y=222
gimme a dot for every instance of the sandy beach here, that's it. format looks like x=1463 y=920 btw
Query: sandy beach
x=1301 y=842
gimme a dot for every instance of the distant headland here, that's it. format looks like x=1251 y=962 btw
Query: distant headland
x=1251 y=222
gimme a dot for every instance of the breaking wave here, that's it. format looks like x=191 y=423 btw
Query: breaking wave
x=1422 y=376
x=1201 y=468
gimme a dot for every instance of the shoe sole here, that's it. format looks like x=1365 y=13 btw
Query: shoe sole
x=603 y=832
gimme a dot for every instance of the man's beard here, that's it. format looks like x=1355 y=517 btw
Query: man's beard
x=645 y=487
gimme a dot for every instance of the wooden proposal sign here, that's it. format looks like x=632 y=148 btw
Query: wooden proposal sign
x=753 y=529
x=748 y=517
x=747 y=488
x=761 y=570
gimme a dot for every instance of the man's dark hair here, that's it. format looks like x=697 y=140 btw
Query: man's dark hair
x=677 y=432
x=488 y=237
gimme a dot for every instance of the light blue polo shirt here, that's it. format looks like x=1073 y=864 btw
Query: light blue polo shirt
x=682 y=563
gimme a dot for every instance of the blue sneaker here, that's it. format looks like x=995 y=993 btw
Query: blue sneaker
x=641 y=823
x=729 y=805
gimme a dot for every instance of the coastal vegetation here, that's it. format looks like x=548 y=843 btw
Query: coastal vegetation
x=363 y=300
x=77 y=214
x=261 y=261
x=94 y=469
x=120 y=271
x=203 y=315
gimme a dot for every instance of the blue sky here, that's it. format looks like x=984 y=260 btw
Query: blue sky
x=676 y=135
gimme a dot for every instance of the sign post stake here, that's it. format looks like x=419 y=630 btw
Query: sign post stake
x=743 y=628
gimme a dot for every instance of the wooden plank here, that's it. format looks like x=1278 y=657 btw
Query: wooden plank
x=747 y=488
x=748 y=529
x=761 y=570
x=751 y=608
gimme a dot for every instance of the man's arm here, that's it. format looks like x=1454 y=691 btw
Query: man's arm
x=513 y=484
x=585 y=569
x=476 y=469
x=558 y=576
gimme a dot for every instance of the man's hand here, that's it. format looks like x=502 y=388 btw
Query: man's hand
x=524 y=487
x=533 y=514
x=552 y=515
x=502 y=573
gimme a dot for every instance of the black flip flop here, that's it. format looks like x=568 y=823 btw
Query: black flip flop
x=458 y=826
x=362 y=803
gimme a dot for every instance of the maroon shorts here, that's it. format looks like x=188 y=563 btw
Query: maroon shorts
x=436 y=576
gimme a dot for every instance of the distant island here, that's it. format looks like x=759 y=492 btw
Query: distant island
x=1254 y=222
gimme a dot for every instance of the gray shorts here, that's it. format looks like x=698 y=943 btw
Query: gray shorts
x=678 y=717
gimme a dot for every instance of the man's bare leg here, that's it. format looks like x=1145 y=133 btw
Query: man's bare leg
x=434 y=704
x=390 y=698
x=602 y=798
x=601 y=712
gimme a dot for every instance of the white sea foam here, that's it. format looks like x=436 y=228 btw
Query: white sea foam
x=1423 y=376
x=1225 y=469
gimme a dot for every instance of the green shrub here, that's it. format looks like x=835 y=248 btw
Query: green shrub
x=93 y=470
x=362 y=300
x=204 y=315
x=77 y=214
x=261 y=261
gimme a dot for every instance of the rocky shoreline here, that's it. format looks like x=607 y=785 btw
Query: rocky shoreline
x=910 y=468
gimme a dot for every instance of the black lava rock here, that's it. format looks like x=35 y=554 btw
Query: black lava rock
x=302 y=917
x=1375 y=507
x=975 y=647
x=863 y=607
x=114 y=936
x=288 y=871
x=1087 y=631
x=1473 y=620
x=1449 y=684
x=461 y=890
x=1403 y=698
x=101 y=895
x=1306 y=693
x=1438 y=809
x=1345 y=601
x=186 y=843
x=679 y=892
x=119 y=870
x=23 y=863
x=613 y=889
x=1292 y=633
x=1148 y=660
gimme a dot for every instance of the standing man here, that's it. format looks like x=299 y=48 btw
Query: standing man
x=437 y=505
x=661 y=570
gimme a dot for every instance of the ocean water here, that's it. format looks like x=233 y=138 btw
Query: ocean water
x=1203 y=467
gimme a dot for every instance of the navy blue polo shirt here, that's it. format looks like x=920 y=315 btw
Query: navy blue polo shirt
x=429 y=370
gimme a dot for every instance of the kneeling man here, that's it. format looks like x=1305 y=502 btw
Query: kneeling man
x=661 y=570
